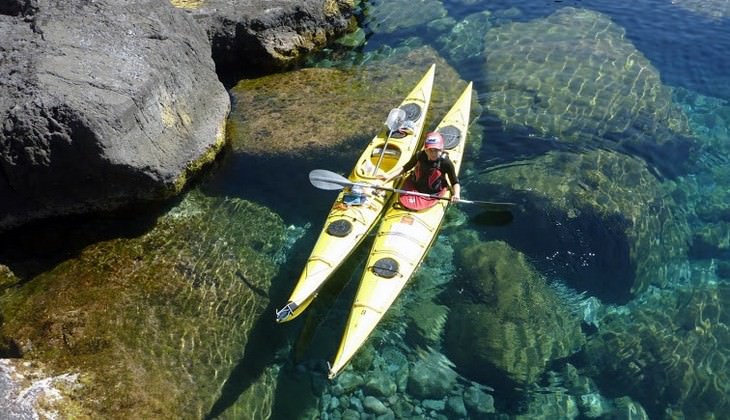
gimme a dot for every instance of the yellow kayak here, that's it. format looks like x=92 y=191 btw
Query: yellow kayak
x=400 y=245
x=355 y=211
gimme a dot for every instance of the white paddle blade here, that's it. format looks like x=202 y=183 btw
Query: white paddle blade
x=328 y=180
x=395 y=117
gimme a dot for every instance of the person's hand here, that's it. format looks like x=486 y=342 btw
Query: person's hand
x=455 y=198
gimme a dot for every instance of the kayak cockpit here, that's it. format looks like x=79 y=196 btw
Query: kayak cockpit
x=388 y=161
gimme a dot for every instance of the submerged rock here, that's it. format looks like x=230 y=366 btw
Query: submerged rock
x=573 y=76
x=315 y=113
x=715 y=9
x=512 y=321
x=388 y=16
x=597 y=220
x=670 y=350
x=153 y=323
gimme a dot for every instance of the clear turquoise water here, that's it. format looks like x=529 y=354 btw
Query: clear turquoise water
x=584 y=258
x=662 y=349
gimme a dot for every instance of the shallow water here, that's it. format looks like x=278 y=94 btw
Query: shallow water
x=616 y=255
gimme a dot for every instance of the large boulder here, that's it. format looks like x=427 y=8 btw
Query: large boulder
x=102 y=106
x=512 y=324
x=669 y=350
x=265 y=35
x=152 y=325
x=574 y=77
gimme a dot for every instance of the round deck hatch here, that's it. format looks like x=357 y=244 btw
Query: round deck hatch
x=386 y=268
x=339 y=228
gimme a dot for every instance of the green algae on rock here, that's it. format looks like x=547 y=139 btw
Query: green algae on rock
x=671 y=348
x=574 y=76
x=325 y=110
x=153 y=323
x=513 y=322
x=617 y=193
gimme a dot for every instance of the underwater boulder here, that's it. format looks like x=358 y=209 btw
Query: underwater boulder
x=596 y=219
x=574 y=77
x=316 y=113
x=153 y=324
x=669 y=349
x=713 y=9
x=510 y=320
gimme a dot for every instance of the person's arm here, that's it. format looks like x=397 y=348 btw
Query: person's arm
x=453 y=181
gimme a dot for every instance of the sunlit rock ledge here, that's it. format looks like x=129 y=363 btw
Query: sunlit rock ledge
x=106 y=104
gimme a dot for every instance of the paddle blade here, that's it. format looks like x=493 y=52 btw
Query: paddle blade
x=327 y=180
x=395 y=118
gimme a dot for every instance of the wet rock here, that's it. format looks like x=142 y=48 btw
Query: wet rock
x=389 y=16
x=513 y=321
x=350 y=414
x=625 y=408
x=431 y=378
x=375 y=406
x=323 y=113
x=714 y=9
x=478 y=402
x=555 y=405
x=139 y=317
x=556 y=76
x=456 y=407
x=380 y=384
x=603 y=212
x=465 y=40
x=265 y=35
x=103 y=106
x=349 y=381
x=669 y=349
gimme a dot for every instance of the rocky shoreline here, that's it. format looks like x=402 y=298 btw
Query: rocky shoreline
x=105 y=105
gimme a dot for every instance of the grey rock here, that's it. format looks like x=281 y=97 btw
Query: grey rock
x=103 y=106
x=380 y=384
x=478 y=402
x=375 y=406
x=267 y=35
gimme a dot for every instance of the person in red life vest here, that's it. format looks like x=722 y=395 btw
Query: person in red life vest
x=434 y=173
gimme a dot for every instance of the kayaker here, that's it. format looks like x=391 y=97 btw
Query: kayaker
x=434 y=172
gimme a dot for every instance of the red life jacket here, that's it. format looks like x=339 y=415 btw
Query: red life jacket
x=431 y=180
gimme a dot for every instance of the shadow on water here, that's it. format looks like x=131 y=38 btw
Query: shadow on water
x=312 y=346
x=38 y=247
x=589 y=252
x=281 y=182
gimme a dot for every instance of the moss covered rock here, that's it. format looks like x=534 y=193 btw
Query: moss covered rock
x=513 y=321
x=670 y=349
x=315 y=113
x=574 y=76
x=153 y=323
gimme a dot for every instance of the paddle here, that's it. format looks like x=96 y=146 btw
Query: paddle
x=393 y=122
x=327 y=180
